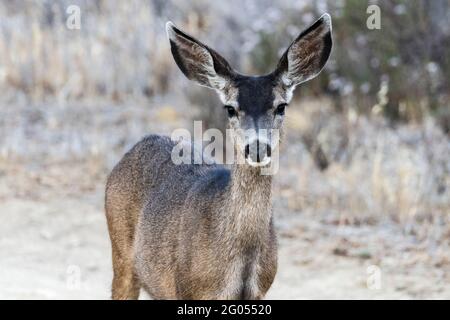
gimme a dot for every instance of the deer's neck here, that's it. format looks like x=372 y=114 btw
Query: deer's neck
x=249 y=204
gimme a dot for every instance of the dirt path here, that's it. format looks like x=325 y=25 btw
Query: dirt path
x=47 y=245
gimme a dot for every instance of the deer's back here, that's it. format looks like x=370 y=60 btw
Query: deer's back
x=150 y=195
x=147 y=173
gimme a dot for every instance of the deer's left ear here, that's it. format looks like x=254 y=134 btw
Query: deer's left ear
x=307 y=55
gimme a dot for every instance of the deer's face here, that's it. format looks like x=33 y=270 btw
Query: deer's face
x=256 y=110
x=255 y=105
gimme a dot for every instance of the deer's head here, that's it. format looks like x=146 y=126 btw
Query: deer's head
x=255 y=104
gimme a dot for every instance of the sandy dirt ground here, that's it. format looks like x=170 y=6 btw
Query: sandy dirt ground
x=56 y=248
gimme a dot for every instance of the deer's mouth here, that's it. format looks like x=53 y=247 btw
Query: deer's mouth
x=262 y=163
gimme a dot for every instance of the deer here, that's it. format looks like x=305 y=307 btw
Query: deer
x=206 y=231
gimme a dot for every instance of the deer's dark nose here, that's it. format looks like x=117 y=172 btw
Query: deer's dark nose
x=257 y=151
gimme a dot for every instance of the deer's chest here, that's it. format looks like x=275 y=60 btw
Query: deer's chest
x=245 y=276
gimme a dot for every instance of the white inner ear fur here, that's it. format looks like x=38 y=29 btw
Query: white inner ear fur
x=228 y=95
x=293 y=78
x=207 y=69
x=282 y=94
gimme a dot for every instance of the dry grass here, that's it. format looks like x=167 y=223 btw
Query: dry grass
x=112 y=55
x=376 y=170
x=379 y=172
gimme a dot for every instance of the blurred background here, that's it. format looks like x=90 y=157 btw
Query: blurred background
x=362 y=198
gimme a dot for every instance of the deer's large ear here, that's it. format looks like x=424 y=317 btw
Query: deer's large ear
x=307 y=55
x=197 y=61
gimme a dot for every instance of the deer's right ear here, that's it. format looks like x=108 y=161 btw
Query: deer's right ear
x=197 y=61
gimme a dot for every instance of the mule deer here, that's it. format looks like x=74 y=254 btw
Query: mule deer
x=204 y=231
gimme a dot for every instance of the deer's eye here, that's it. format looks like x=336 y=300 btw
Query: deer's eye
x=231 y=111
x=280 y=109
